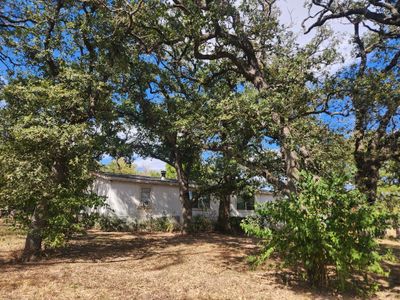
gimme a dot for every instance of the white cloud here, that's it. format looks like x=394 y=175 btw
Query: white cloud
x=149 y=164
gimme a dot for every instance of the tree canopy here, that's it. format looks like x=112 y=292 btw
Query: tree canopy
x=221 y=91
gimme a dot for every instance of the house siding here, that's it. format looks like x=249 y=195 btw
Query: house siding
x=123 y=197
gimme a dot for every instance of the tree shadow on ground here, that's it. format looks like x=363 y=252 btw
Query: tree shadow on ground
x=170 y=249
x=389 y=285
x=393 y=267
x=108 y=247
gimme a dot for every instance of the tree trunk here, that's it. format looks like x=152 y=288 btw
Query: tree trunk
x=367 y=178
x=34 y=238
x=33 y=242
x=291 y=162
x=186 y=208
x=184 y=198
x=224 y=214
x=368 y=166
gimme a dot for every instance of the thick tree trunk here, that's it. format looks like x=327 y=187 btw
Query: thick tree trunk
x=367 y=178
x=33 y=242
x=223 y=223
x=186 y=208
x=34 y=238
x=184 y=198
x=292 y=171
x=291 y=159
x=368 y=166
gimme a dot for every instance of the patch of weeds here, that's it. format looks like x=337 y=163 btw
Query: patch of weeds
x=390 y=257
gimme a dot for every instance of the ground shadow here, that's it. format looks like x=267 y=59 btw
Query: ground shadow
x=108 y=247
x=229 y=252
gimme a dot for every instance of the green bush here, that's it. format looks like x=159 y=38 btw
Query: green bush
x=163 y=224
x=201 y=224
x=235 y=223
x=325 y=228
x=114 y=223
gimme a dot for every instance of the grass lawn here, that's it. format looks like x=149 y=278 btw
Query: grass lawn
x=104 y=265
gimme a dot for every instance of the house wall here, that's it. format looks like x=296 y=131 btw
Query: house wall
x=123 y=197
x=260 y=197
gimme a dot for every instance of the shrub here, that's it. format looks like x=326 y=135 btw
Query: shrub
x=114 y=223
x=235 y=223
x=164 y=224
x=201 y=224
x=325 y=225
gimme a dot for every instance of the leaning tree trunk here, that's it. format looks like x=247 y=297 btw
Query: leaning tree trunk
x=224 y=214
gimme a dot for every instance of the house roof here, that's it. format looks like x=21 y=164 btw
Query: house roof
x=149 y=180
x=136 y=178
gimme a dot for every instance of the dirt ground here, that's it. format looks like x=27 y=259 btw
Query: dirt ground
x=155 y=266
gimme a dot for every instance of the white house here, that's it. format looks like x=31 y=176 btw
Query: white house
x=141 y=197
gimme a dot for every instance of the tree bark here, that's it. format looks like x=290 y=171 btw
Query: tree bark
x=291 y=159
x=184 y=198
x=186 y=208
x=224 y=214
x=367 y=178
x=367 y=163
x=33 y=241
x=34 y=238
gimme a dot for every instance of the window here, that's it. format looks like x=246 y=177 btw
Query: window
x=245 y=201
x=199 y=201
x=145 y=196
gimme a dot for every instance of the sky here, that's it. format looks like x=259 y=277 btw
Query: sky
x=141 y=163
x=293 y=13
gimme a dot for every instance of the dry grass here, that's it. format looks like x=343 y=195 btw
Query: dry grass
x=151 y=266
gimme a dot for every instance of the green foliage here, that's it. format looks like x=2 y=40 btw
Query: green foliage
x=119 y=166
x=170 y=172
x=160 y=224
x=47 y=154
x=201 y=224
x=67 y=215
x=389 y=256
x=112 y=223
x=235 y=224
x=389 y=191
x=164 y=224
x=324 y=225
